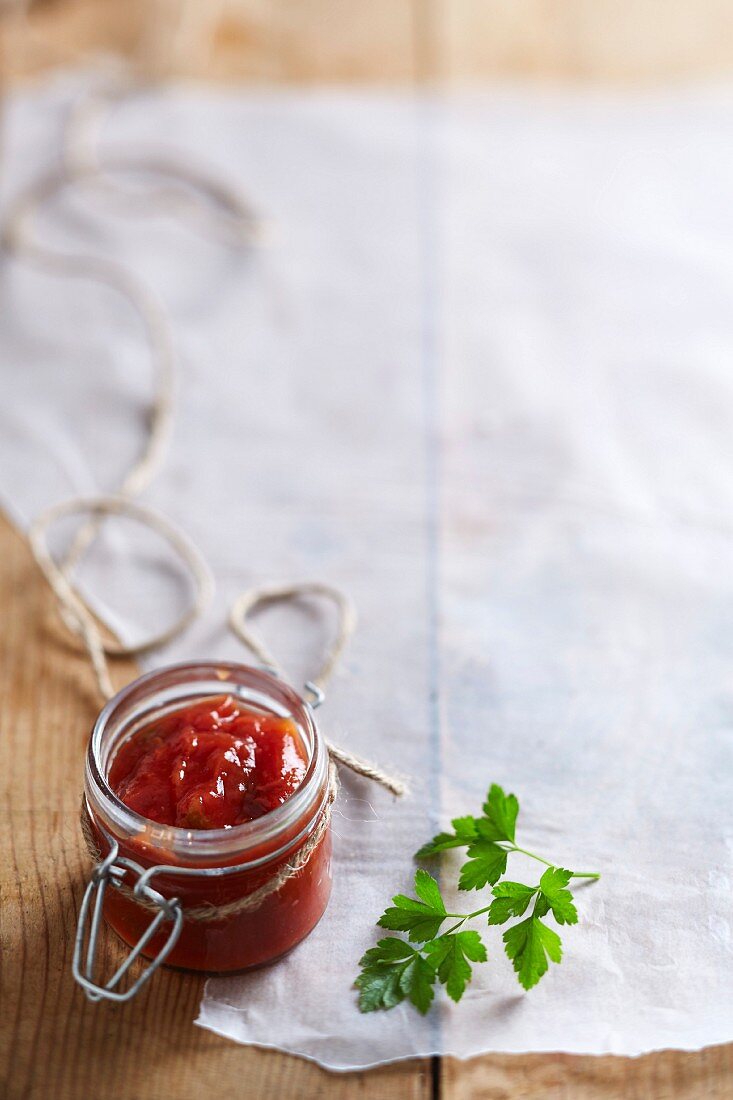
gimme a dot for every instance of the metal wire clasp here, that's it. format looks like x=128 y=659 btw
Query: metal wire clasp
x=115 y=870
x=317 y=694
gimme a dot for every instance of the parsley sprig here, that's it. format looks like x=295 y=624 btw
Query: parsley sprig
x=395 y=969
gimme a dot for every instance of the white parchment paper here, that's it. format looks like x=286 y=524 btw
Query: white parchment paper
x=482 y=377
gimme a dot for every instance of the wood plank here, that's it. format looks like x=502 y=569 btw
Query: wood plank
x=666 y=1075
x=53 y=1043
x=307 y=41
x=258 y=41
x=589 y=40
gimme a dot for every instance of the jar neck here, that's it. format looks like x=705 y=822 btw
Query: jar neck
x=179 y=686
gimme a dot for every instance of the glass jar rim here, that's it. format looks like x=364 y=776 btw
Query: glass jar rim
x=209 y=843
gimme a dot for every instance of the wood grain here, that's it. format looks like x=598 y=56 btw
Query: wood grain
x=306 y=41
x=53 y=1043
x=667 y=1075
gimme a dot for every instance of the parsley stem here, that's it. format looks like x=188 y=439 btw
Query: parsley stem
x=533 y=855
x=464 y=917
x=479 y=912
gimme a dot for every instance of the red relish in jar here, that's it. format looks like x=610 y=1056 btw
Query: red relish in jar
x=209 y=766
x=217 y=776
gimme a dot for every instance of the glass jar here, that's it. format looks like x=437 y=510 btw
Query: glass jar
x=209 y=870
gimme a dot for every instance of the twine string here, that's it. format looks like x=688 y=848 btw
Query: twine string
x=75 y=609
x=79 y=616
x=263 y=596
x=211 y=205
x=82 y=161
x=249 y=902
x=193 y=194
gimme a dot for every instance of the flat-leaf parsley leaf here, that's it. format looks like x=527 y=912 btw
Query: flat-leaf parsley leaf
x=420 y=919
x=529 y=944
x=449 y=955
x=392 y=971
x=396 y=970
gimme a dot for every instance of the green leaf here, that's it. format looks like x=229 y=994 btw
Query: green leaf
x=465 y=827
x=379 y=988
x=419 y=924
x=510 y=900
x=486 y=865
x=420 y=919
x=501 y=810
x=472 y=946
x=488 y=830
x=556 y=897
x=529 y=944
x=449 y=956
x=388 y=950
x=380 y=982
x=464 y=833
x=392 y=971
x=427 y=890
x=440 y=843
x=396 y=970
x=498 y=823
x=417 y=980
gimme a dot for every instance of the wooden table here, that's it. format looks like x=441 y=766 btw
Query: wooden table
x=299 y=41
x=55 y=1045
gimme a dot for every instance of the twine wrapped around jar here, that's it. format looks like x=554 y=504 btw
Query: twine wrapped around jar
x=249 y=902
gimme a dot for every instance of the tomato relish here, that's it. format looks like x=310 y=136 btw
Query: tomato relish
x=211 y=765
x=231 y=791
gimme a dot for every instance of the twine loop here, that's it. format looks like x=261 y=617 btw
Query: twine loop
x=227 y=215
x=74 y=608
x=77 y=614
x=263 y=596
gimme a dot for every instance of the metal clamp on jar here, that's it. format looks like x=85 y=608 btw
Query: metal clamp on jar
x=215 y=900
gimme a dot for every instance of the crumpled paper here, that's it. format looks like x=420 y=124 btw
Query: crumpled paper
x=481 y=378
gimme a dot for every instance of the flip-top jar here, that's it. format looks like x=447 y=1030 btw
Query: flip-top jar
x=245 y=894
